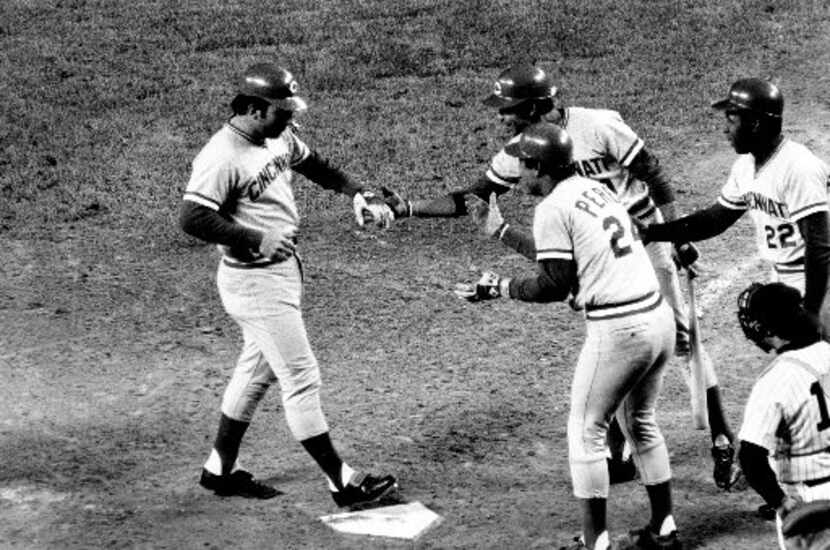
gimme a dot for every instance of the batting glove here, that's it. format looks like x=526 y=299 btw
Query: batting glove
x=486 y=216
x=368 y=207
x=685 y=256
x=401 y=207
x=488 y=287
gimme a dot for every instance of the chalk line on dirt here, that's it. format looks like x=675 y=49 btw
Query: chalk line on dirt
x=712 y=291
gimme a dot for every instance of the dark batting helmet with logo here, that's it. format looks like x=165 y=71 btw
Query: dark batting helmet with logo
x=520 y=83
x=273 y=84
x=755 y=95
x=544 y=142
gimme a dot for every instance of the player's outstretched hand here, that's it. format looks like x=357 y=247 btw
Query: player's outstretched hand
x=488 y=287
x=369 y=208
x=278 y=244
x=400 y=207
x=485 y=215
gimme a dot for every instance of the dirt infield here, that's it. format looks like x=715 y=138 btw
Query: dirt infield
x=115 y=349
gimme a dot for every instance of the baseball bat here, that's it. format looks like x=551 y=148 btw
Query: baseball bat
x=698 y=359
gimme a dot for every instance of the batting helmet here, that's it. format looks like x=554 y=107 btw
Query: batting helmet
x=775 y=309
x=520 y=83
x=273 y=84
x=545 y=142
x=754 y=95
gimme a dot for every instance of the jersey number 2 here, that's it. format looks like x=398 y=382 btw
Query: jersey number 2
x=818 y=391
x=618 y=236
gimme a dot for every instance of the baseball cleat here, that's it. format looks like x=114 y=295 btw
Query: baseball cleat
x=726 y=473
x=364 y=489
x=239 y=483
x=621 y=470
x=646 y=539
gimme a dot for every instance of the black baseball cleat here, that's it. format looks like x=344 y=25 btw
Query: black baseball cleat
x=239 y=483
x=726 y=473
x=364 y=489
x=646 y=539
x=621 y=471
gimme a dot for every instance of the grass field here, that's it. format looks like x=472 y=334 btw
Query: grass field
x=115 y=349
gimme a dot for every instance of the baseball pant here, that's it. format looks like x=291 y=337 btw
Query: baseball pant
x=265 y=303
x=620 y=368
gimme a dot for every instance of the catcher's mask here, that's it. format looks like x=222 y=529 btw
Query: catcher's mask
x=772 y=309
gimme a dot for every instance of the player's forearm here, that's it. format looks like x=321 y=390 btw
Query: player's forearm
x=698 y=226
x=327 y=176
x=552 y=284
x=453 y=204
x=815 y=230
x=646 y=168
x=445 y=206
x=206 y=224
x=518 y=240
x=754 y=461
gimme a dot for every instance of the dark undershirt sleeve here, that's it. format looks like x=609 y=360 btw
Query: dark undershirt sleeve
x=209 y=225
x=482 y=189
x=698 y=226
x=553 y=282
x=646 y=168
x=755 y=465
x=814 y=229
x=327 y=176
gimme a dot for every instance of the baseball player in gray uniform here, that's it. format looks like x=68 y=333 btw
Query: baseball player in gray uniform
x=608 y=150
x=787 y=414
x=585 y=244
x=240 y=197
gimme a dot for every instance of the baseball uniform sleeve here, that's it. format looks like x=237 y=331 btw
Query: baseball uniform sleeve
x=764 y=412
x=212 y=181
x=730 y=194
x=805 y=190
x=550 y=233
x=620 y=140
x=299 y=151
x=504 y=169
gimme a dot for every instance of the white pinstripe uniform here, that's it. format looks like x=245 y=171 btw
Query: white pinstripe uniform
x=250 y=182
x=788 y=413
x=629 y=336
x=789 y=186
x=603 y=148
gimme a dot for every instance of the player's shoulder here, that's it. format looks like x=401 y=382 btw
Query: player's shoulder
x=593 y=115
x=222 y=146
x=799 y=156
x=813 y=357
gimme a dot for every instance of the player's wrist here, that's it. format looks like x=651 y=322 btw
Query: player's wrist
x=502 y=229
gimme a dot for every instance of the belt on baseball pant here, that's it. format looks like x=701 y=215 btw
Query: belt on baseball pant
x=641 y=304
x=253 y=265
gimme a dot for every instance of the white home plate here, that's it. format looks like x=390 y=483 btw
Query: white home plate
x=401 y=521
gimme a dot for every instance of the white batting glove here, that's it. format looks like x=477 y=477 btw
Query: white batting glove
x=486 y=216
x=488 y=287
x=370 y=208
x=279 y=244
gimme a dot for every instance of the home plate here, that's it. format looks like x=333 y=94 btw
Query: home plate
x=401 y=521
